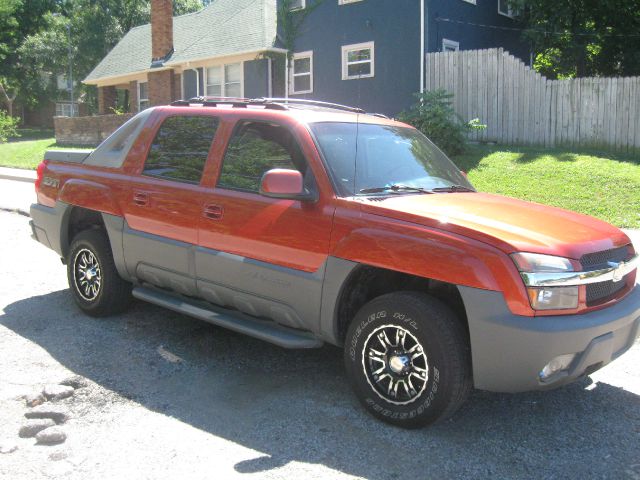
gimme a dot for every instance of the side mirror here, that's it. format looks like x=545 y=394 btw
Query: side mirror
x=285 y=184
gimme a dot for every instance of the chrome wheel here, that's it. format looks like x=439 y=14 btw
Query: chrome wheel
x=395 y=364
x=86 y=274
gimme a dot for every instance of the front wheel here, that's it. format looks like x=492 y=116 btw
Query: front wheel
x=93 y=278
x=407 y=358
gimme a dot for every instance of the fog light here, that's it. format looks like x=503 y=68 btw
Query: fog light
x=553 y=298
x=556 y=365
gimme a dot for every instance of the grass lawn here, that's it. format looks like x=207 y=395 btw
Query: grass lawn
x=604 y=185
x=27 y=151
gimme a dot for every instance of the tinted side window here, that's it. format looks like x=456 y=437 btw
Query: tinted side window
x=180 y=148
x=255 y=148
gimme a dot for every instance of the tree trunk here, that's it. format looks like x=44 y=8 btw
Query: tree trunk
x=8 y=100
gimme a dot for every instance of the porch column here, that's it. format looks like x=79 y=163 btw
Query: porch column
x=106 y=99
x=133 y=97
x=161 y=87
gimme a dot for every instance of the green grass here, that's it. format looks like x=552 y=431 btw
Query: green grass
x=604 y=185
x=27 y=151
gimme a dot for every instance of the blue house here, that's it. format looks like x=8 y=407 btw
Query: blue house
x=368 y=53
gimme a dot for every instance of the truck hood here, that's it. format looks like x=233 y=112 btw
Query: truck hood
x=507 y=223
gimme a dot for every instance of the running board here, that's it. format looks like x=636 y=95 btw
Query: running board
x=231 y=319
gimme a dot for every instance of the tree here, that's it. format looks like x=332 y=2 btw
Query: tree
x=578 y=38
x=18 y=19
x=95 y=27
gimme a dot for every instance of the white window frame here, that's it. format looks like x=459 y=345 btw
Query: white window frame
x=509 y=13
x=345 y=57
x=140 y=99
x=66 y=109
x=347 y=2
x=298 y=56
x=303 y=5
x=449 y=45
x=223 y=86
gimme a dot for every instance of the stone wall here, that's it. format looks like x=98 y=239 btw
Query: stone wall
x=89 y=131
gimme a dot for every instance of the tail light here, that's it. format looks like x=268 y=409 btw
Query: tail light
x=40 y=173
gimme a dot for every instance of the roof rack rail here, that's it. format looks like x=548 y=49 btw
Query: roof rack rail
x=236 y=102
x=266 y=102
x=315 y=103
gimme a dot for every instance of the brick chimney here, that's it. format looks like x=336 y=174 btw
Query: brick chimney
x=161 y=29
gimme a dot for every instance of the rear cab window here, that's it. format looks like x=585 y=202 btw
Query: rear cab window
x=181 y=147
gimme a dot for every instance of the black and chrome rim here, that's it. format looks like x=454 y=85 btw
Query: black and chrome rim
x=87 y=277
x=395 y=364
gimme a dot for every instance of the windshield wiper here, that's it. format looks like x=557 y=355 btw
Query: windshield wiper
x=395 y=188
x=453 y=188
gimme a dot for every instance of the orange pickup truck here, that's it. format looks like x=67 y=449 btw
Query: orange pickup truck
x=300 y=222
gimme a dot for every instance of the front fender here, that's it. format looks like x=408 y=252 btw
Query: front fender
x=434 y=254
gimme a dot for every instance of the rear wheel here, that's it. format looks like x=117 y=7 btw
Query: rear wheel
x=407 y=357
x=93 y=278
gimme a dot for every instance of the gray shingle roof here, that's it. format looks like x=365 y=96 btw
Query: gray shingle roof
x=225 y=27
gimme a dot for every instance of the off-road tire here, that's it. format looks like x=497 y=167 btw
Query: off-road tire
x=113 y=295
x=441 y=336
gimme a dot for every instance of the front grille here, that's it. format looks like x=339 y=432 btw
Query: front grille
x=600 y=259
x=598 y=293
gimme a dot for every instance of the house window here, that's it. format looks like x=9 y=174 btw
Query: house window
x=297 y=4
x=225 y=80
x=143 y=96
x=346 y=2
x=505 y=9
x=358 y=61
x=66 y=109
x=450 y=45
x=302 y=73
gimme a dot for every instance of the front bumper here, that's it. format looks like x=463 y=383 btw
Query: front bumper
x=508 y=351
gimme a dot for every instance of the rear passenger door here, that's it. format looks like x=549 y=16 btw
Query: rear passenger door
x=164 y=203
x=263 y=256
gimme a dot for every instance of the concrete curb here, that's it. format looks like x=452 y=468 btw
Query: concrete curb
x=18 y=174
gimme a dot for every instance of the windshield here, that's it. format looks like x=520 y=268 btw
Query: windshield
x=367 y=159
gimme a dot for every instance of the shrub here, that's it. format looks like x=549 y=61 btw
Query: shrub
x=433 y=115
x=8 y=126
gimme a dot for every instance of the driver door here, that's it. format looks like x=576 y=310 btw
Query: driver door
x=261 y=255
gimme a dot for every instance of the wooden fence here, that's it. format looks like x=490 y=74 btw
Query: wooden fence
x=520 y=106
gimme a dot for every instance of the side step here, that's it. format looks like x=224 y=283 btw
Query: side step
x=231 y=319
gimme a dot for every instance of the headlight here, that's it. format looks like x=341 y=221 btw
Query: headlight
x=537 y=263
x=547 y=298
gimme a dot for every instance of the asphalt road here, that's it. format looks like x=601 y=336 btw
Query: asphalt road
x=171 y=397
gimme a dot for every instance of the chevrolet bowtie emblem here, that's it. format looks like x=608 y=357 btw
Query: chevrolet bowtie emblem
x=618 y=271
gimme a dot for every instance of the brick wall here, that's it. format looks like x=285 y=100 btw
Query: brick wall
x=161 y=91
x=89 y=131
x=106 y=99
x=133 y=96
x=161 y=28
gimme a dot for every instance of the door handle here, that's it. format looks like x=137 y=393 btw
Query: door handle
x=213 y=212
x=141 y=198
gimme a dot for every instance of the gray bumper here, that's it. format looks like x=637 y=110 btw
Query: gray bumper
x=508 y=351
x=46 y=225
